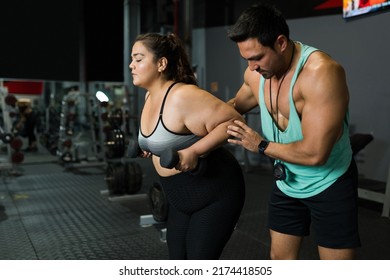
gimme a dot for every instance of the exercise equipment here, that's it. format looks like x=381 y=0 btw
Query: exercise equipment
x=123 y=178
x=66 y=157
x=359 y=141
x=116 y=118
x=16 y=143
x=17 y=157
x=49 y=137
x=170 y=158
x=10 y=100
x=115 y=178
x=370 y=189
x=158 y=202
x=78 y=134
x=115 y=144
x=8 y=136
x=133 y=149
x=133 y=172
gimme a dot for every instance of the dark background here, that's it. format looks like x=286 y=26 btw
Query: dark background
x=42 y=39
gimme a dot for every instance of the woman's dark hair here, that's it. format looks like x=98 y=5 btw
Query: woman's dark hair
x=170 y=47
x=262 y=21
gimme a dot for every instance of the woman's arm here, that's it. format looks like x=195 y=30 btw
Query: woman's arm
x=204 y=115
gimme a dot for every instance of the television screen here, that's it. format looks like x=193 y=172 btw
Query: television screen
x=352 y=8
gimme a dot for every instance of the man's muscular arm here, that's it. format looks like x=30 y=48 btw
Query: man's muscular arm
x=245 y=99
x=325 y=95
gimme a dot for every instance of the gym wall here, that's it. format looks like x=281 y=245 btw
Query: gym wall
x=360 y=45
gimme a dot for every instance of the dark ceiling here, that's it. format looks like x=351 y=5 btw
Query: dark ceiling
x=41 y=39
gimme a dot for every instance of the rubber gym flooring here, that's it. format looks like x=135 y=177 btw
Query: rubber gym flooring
x=51 y=212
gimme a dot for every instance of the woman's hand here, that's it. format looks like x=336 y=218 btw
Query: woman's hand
x=188 y=160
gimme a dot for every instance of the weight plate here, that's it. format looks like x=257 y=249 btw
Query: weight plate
x=158 y=202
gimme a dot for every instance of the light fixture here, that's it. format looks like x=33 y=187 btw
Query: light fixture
x=101 y=96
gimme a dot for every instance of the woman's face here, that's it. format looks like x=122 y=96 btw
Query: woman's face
x=143 y=67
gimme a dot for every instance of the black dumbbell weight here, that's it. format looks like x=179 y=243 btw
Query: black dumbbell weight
x=133 y=149
x=170 y=158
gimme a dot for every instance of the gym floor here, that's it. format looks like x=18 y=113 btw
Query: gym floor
x=51 y=212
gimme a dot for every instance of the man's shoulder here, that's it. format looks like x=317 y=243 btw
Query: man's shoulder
x=251 y=77
x=252 y=81
x=319 y=59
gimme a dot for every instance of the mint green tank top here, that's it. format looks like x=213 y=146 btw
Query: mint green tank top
x=304 y=181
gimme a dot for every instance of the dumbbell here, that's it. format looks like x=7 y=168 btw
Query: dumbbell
x=170 y=158
x=133 y=149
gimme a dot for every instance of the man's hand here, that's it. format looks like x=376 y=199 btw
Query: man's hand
x=244 y=136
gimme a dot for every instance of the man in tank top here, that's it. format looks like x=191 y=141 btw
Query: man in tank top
x=303 y=98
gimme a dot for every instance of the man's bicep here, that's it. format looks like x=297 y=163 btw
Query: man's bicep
x=323 y=117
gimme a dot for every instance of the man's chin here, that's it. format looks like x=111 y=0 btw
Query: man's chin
x=265 y=75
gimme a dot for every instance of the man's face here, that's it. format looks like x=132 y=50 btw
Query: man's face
x=260 y=58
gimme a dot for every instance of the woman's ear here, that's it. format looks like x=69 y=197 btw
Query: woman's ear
x=162 y=64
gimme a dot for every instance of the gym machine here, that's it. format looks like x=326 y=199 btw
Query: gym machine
x=123 y=177
x=74 y=145
x=13 y=144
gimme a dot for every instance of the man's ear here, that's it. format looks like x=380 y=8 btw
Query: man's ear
x=281 y=43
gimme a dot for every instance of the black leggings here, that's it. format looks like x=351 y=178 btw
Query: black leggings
x=203 y=210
